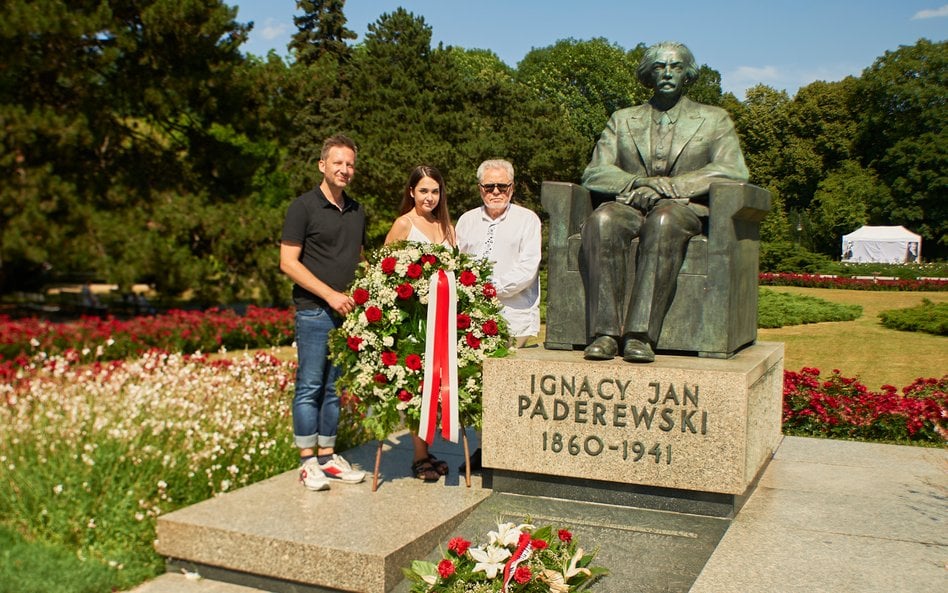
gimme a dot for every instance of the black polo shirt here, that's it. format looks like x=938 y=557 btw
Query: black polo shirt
x=332 y=241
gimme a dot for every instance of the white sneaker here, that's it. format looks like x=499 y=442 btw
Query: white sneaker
x=338 y=468
x=312 y=477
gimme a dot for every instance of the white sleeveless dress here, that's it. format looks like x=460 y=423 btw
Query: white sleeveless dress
x=419 y=237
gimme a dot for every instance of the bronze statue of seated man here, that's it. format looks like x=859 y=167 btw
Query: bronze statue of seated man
x=658 y=160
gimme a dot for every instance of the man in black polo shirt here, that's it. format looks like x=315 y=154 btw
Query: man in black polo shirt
x=321 y=247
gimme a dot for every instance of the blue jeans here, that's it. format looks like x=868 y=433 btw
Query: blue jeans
x=315 y=402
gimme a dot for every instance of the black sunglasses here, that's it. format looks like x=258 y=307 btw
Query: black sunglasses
x=490 y=187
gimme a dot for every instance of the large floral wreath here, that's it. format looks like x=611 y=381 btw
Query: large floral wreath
x=380 y=346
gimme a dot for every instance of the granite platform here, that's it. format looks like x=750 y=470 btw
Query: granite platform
x=826 y=517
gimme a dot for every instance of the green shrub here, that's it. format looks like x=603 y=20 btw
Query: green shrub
x=782 y=256
x=927 y=317
x=777 y=309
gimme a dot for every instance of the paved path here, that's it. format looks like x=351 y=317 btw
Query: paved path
x=827 y=517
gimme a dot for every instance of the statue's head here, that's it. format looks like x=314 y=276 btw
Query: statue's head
x=673 y=56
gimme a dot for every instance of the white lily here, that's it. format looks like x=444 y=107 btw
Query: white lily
x=489 y=559
x=507 y=534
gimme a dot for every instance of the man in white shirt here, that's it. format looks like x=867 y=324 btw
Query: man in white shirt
x=508 y=235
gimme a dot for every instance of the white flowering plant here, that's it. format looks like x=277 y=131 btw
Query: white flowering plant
x=514 y=559
x=380 y=346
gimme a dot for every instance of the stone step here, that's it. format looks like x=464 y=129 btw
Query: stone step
x=277 y=536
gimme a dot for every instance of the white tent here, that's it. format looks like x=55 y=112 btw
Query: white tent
x=886 y=244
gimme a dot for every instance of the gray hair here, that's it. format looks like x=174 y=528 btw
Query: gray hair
x=495 y=164
x=644 y=71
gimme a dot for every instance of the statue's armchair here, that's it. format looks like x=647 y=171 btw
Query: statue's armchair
x=714 y=312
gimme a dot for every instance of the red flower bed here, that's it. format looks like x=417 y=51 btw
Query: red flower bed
x=849 y=283
x=93 y=338
x=838 y=406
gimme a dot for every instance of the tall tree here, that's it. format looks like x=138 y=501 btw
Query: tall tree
x=840 y=205
x=106 y=107
x=321 y=30
x=905 y=139
x=390 y=112
x=588 y=79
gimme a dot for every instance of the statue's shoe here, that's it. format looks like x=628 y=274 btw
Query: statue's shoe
x=602 y=348
x=637 y=351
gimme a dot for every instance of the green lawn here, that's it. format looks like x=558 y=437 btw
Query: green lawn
x=863 y=348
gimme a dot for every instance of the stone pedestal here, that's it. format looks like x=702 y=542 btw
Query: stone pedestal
x=684 y=424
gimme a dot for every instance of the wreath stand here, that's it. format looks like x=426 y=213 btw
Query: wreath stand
x=467 y=462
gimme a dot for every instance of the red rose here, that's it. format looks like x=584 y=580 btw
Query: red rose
x=360 y=296
x=473 y=341
x=413 y=362
x=446 y=568
x=388 y=265
x=523 y=574
x=489 y=327
x=459 y=545
x=467 y=278
x=353 y=343
x=429 y=259
x=373 y=314
x=414 y=271
x=538 y=544
x=464 y=321
x=389 y=358
x=404 y=395
x=565 y=536
x=404 y=291
x=380 y=378
x=489 y=290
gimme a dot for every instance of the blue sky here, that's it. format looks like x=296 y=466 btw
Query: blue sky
x=785 y=45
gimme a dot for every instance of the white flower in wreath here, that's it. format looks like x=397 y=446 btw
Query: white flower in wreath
x=507 y=534
x=490 y=559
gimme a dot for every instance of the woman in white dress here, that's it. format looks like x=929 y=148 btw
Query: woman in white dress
x=424 y=217
x=423 y=213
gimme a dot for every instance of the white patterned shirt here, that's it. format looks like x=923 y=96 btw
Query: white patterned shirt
x=512 y=243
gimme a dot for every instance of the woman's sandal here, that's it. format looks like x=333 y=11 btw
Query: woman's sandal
x=424 y=471
x=440 y=466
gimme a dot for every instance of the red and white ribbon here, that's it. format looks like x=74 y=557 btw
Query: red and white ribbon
x=523 y=552
x=441 y=360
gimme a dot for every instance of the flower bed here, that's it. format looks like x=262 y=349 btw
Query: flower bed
x=92 y=338
x=91 y=454
x=514 y=559
x=851 y=283
x=838 y=406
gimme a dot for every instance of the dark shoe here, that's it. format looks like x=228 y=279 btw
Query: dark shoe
x=637 y=351
x=440 y=466
x=475 y=462
x=602 y=348
x=424 y=471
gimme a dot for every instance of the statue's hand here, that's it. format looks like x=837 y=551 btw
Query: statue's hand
x=663 y=185
x=642 y=199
